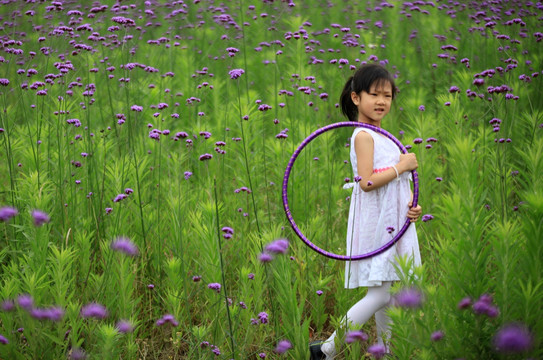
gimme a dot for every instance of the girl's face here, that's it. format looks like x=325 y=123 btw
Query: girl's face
x=373 y=105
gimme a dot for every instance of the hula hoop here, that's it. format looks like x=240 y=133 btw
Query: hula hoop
x=285 y=196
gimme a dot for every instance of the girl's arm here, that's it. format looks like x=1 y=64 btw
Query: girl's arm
x=364 y=155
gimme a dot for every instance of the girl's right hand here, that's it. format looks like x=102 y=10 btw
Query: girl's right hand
x=408 y=162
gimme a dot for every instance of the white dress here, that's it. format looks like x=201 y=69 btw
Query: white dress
x=372 y=212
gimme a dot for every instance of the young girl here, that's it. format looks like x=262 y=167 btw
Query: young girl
x=380 y=201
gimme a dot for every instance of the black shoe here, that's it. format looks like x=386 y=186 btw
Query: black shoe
x=315 y=351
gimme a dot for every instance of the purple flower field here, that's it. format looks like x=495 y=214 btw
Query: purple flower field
x=143 y=147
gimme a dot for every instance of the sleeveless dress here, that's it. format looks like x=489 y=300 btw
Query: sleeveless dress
x=372 y=213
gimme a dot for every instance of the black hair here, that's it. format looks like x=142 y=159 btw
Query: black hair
x=362 y=80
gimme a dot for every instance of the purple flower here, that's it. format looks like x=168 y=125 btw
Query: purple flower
x=454 y=89
x=377 y=351
x=409 y=298
x=40 y=217
x=25 y=301
x=513 y=339
x=136 y=108
x=390 y=229
x=227 y=230
x=6 y=213
x=464 y=303
x=124 y=326
x=417 y=141
x=236 y=73
x=214 y=286
x=265 y=258
x=283 y=346
x=279 y=246
x=422 y=108
x=251 y=276
x=125 y=246
x=187 y=175
x=370 y=183
x=205 y=156
x=120 y=197
x=483 y=306
x=427 y=217
x=7 y=305
x=262 y=355
x=54 y=313
x=263 y=317
x=355 y=335
x=94 y=310
x=437 y=335
x=3 y=340
x=319 y=292
x=480 y=307
x=168 y=318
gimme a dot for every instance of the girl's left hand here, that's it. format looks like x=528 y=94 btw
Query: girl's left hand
x=414 y=212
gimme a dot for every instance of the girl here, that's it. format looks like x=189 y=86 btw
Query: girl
x=380 y=201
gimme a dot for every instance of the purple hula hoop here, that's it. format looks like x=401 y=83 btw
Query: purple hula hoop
x=285 y=196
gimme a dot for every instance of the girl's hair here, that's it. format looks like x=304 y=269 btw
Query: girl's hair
x=362 y=80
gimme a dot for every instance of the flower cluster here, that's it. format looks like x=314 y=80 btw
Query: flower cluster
x=484 y=306
x=94 y=310
x=279 y=246
x=236 y=73
x=214 y=286
x=124 y=246
x=228 y=232
x=283 y=346
x=7 y=212
x=408 y=298
x=167 y=318
x=355 y=335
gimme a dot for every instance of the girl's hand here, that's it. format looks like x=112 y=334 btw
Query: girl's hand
x=414 y=212
x=408 y=162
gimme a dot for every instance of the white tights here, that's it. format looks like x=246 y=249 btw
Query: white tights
x=375 y=302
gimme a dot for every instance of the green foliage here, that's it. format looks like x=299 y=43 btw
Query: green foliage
x=482 y=185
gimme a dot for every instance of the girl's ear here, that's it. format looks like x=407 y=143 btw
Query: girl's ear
x=355 y=98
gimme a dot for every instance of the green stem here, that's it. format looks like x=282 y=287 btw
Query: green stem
x=243 y=140
x=224 y=287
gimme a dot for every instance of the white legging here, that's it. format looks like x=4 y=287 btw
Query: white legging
x=375 y=302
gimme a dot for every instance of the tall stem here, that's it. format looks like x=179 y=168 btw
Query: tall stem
x=243 y=140
x=225 y=288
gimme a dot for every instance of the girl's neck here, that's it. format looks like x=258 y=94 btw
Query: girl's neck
x=374 y=123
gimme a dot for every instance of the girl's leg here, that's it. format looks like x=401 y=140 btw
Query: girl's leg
x=383 y=323
x=376 y=298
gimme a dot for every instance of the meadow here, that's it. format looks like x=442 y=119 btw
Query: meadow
x=143 y=147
